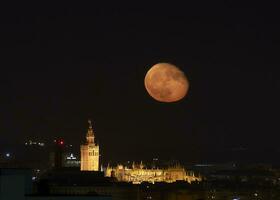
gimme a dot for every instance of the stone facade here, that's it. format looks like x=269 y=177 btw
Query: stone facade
x=90 y=152
x=139 y=174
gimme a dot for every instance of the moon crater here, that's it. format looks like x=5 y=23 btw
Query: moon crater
x=166 y=83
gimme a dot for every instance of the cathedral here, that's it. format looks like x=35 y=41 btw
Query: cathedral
x=136 y=174
x=90 y=152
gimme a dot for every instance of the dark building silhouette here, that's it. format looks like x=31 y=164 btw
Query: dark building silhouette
x=57 y=154
x=16 y=184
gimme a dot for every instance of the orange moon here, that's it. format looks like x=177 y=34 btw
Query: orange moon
x=166 y=83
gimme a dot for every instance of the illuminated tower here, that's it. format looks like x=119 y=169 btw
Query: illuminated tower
x=90 y=152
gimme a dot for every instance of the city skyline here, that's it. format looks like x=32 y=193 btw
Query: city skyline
x=61 y=68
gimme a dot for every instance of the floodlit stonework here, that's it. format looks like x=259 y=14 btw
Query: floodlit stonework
x=139 y=174
x=135 y=174
x=90 y=152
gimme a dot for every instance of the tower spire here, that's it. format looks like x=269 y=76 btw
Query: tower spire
x=90 y=134
x=90 y=124
x=90 y=151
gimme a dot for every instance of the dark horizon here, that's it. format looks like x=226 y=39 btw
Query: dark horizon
x=64 y=64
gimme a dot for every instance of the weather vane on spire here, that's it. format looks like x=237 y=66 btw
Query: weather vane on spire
x=90 y=124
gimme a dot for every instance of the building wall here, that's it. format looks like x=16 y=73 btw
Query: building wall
x=138 y=175
x=15 y=183
x=90 y=152
x=117 y=192
x=66 y=198
x=12 y=187
x=89 y=157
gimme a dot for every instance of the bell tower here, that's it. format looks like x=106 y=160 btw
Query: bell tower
x=90 y=134
x=90 y=152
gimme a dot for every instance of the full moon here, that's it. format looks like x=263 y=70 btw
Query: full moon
x=166 y=83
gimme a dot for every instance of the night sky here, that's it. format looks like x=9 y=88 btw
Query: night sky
x=62 y=64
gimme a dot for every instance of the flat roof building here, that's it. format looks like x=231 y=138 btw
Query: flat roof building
x=16 y=184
